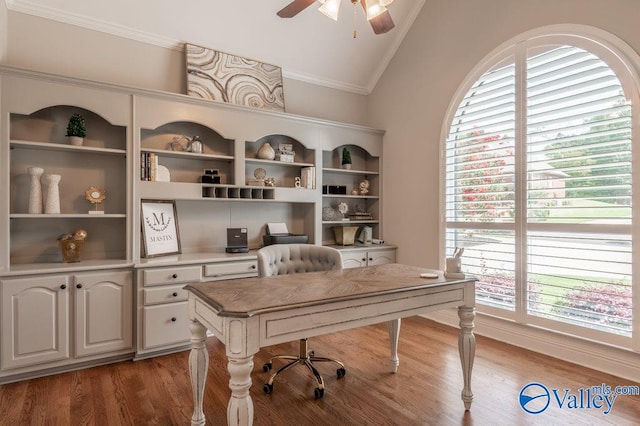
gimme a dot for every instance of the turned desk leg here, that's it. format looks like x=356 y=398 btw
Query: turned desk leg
x=240 y=408
x=394 y=335
x=467 y=348
x=198 y=365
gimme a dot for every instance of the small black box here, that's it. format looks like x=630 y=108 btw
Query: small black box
x=335 y=189
x=210 y=179
x=237 y=240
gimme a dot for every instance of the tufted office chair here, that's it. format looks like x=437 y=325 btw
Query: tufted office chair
x=280 y=259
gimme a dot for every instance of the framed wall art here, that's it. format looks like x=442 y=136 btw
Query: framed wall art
x=159 y=227
x=223 y=77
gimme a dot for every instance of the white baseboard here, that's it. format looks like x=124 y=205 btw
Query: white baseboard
x=611 y=360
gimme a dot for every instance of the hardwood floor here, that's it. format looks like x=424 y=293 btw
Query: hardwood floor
x=425 y=391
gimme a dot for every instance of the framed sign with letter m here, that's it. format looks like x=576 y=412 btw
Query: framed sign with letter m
x=159 y=227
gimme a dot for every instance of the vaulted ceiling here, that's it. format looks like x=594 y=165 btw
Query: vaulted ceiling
x=309 y=47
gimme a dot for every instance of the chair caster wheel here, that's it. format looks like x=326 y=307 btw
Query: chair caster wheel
x=317 y=393
x=266 y=367
x=267 y=388
x=340 y=372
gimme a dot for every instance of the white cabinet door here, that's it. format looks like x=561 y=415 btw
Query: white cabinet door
x=35 y=320
x=380 y=257
x=354 y=259
x=103 y=320
x=364 y=257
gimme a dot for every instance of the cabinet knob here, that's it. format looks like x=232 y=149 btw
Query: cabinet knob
x=63 y=286
x=174 y=319
x=364 y=259
x=370 y=259
x=174 y=276
x=253 y=266
x=78 y=285
x=175 y=294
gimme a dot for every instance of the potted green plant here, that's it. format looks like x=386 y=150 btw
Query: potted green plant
x=76 y=129
x=346 y=159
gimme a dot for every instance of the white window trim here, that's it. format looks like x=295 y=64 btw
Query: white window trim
x=617 y=54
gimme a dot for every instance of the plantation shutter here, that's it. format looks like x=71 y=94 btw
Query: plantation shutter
x=480 y=182
x=578 y=191
x=565 y=262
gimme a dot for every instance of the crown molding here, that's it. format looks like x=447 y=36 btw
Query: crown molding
x=25 y=6
x=332 y=84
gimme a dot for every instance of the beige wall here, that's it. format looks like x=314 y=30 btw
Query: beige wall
x=50 y=46
x=448 y=38
x=3 y=32
x=312 y=100
x=44 y=45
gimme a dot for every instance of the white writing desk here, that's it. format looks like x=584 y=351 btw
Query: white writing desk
x=252 y=313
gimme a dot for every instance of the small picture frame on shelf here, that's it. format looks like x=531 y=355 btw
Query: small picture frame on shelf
x=160 y=234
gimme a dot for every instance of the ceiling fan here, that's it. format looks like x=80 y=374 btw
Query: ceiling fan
x=377 y=13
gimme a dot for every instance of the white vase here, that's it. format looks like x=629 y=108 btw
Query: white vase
x=35 y=190
x=266 y=152
x=52 y=204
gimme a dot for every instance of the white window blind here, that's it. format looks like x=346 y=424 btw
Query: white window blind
x=538 y=191
x=579 y=186
x=480 y=148
x=480 y=184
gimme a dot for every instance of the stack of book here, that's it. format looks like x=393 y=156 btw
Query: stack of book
x=361 y=216
x=148 y=166
x=308 y=178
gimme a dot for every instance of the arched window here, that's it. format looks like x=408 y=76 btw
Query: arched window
x=538 y=184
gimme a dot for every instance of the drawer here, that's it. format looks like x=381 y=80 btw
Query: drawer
x=182 y=274
x=165 y=325
x=228 y=269
x=164 y=294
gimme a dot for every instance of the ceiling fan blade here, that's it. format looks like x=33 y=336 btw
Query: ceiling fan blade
x=381 y=23
x=293 y=8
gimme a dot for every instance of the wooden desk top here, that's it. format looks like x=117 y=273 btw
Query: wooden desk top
x=253 y=296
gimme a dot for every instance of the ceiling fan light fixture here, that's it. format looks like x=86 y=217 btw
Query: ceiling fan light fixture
x=374 y=8
x=377 y=14
x=330 y=8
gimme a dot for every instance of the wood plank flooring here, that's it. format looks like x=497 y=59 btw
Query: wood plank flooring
x=425 y=391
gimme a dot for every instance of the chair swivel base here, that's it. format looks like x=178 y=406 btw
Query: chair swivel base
x=307 y=358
